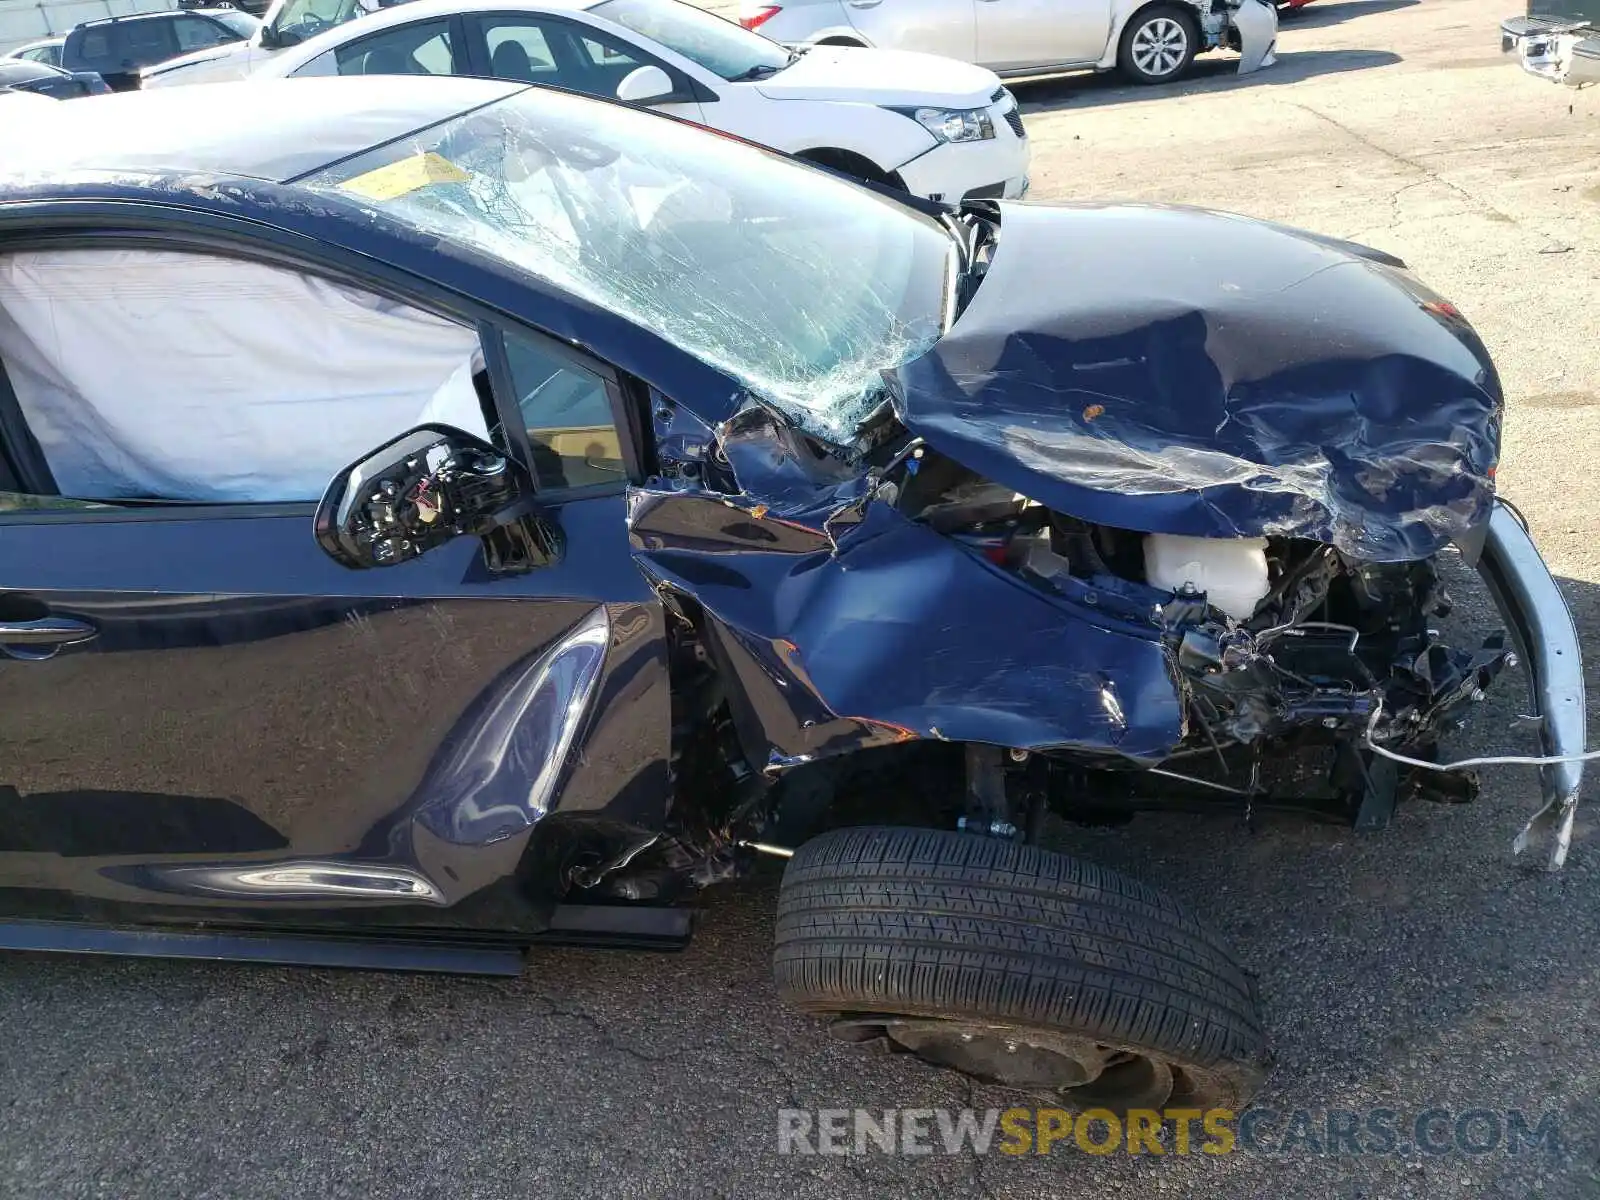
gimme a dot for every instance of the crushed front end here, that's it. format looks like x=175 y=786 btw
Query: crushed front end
x=1178 y=535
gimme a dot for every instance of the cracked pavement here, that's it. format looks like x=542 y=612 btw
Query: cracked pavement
x=1420 y=968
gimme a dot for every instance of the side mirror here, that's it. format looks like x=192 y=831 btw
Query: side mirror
x=424 y=488
x=645 y=85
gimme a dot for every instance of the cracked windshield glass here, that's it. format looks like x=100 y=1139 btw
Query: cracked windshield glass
x=802 y=286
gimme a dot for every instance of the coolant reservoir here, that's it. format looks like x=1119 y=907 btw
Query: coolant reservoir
x=1232 y=572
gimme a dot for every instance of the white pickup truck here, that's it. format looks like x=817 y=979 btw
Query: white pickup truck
x=1558 y=40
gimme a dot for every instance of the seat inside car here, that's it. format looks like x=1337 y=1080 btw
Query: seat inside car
x=511 y=61
x=391 y=60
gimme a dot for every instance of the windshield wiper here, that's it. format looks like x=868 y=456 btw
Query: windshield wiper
x=759 y=71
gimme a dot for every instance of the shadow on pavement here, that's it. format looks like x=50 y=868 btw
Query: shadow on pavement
x=1218 y=75
x=1320 y=16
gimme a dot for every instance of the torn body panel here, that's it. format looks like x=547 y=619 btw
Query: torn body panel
x=1246 y=381
x=1254 y=33
x=994 y=561
x=890 y=635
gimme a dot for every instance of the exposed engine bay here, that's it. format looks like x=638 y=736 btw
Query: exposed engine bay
x=1129 y=541
x=1289 y=657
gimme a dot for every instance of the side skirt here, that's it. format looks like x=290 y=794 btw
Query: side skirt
x=571 y=925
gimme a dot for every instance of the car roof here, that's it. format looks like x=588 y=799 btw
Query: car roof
x=264 y=129
x=49 y=41
x=164 y=15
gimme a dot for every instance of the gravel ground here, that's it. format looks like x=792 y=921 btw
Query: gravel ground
x=1420 y=969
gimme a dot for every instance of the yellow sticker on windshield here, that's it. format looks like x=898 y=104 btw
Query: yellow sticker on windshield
x=403 y=177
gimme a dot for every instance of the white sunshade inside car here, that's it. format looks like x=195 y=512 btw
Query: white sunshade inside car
x=193 y=377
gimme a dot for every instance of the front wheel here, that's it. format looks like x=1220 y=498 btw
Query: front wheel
x=1158 y=45
x=1017 y=967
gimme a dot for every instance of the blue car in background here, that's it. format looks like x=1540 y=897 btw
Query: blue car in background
x=439 y=515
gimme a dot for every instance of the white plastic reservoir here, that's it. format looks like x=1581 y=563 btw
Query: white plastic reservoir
x=1232 y=572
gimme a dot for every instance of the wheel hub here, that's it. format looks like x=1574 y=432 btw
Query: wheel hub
x=1074 y=1071
x=1160 y=45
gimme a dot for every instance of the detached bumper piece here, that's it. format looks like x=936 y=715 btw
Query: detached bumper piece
x=1541 y=624
x=1561 y=51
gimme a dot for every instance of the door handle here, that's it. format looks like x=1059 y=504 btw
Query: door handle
x=46 y=633
x=864 y=3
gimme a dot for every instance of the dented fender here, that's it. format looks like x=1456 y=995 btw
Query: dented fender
x=838 y=637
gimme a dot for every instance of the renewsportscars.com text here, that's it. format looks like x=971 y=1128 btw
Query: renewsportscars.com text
x=1172 y=1131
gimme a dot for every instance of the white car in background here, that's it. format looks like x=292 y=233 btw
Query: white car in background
x=1150 y=41
x=287 y=23
x=47 y=51
x=942 y=129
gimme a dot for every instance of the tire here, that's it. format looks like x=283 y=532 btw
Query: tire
x=1158 y=44
x=1018 y=967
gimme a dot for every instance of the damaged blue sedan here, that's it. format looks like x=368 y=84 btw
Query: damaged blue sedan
x=440 y=516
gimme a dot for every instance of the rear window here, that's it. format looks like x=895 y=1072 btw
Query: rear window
x=126 y=45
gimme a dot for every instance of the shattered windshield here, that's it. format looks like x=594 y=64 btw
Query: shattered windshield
x=800 y=285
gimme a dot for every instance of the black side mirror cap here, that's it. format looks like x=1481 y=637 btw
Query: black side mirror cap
x=424 y=488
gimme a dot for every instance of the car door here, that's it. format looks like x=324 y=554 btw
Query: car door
x=1013 y=35
x=204 y=714
x=539 y=48
x=944 y=27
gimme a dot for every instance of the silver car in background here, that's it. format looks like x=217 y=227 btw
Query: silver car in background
x=1149 y=41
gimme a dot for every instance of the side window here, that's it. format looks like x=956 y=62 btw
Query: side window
x=518 y=49
x=94 y=49
x=158 y=375
x=423 y=48
x=608 y=61
x=197 y=33
x=145 y=42
x=567 y=413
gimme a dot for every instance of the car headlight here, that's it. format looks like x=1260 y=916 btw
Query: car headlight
x=955 y=124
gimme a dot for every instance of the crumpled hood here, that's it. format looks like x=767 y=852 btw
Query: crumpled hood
x=898 y=77
x=1174 y=370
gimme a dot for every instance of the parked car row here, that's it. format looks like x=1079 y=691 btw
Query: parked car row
x=1148 y=42
x=117 y=49
x=942 y=129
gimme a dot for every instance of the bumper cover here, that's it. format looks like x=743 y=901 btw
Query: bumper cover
x=1560 y=51
x=1542 y=627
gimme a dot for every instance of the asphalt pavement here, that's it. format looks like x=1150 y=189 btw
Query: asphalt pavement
x=1418 y=970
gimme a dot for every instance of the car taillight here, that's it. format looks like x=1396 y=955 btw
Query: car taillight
x=761 y=16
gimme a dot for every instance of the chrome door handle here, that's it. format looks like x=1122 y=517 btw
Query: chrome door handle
x=50 y=633
x=864 y=3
